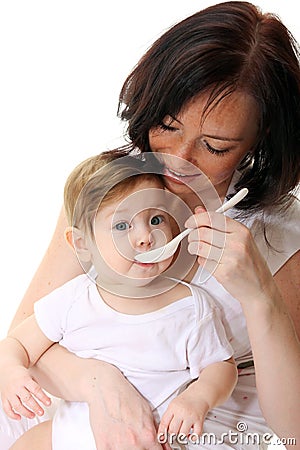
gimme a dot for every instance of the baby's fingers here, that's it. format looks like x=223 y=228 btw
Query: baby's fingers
x=197 y=428
x=14 y=408
x=29 y=402
x=9 y=410
x=38 y=392
x=192 y=431
x=24 y=403
x=164 y=423
x=30 y=393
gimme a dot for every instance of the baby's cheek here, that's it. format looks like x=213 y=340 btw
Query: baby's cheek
x=165 y=264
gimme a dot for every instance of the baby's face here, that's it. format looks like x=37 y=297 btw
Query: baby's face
x=137 y=223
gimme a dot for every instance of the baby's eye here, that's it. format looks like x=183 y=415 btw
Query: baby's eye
x=121 y=226
x=156 y=220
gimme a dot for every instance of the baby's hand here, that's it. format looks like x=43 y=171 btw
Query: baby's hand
x=19 y=392
x=184 y=415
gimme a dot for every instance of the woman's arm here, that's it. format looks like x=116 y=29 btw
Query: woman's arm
x=120 y=418
x=243 y=272
x=288 y=282
x=273 y=334
x=276 y=353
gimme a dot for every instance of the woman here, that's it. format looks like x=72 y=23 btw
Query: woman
x=220 y=90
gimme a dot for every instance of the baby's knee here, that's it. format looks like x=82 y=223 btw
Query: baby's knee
x=37 y=438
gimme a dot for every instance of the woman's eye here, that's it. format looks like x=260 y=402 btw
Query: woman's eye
x=166 y=127
x=216 y=151
x=121 y=226
x=156 y=220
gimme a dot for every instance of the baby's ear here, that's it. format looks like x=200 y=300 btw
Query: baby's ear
x=76 y=239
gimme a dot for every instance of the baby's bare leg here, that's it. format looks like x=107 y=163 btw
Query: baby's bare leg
x=37 y=438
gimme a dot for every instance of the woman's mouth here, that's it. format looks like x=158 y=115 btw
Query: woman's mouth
x=179 y=177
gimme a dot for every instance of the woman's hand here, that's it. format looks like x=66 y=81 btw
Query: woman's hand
x=227 y=249
x=120 y=417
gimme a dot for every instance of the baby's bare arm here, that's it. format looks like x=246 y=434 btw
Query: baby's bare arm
x=20 y=393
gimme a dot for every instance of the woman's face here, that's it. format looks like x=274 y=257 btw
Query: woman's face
x=215 y=141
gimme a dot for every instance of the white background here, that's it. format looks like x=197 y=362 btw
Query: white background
x=62 y=66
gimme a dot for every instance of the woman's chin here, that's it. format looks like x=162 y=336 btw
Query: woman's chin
x=176 y=185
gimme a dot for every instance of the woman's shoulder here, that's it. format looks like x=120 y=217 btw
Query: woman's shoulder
x=277 y=234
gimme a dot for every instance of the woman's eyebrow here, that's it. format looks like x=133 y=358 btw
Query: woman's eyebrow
x=220 y=138
x=172 y=119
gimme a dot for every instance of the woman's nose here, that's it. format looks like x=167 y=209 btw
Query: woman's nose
x=185 y=149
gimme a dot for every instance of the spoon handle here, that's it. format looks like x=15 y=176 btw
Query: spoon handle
x=233 y=201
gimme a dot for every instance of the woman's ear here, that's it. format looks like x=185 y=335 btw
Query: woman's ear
x=76 y=239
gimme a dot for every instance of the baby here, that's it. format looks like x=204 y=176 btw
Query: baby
x=163 y=334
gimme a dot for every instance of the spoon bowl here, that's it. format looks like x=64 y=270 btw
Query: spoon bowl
x=168 y=250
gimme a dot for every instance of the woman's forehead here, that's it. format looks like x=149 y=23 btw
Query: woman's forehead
x=235 y=115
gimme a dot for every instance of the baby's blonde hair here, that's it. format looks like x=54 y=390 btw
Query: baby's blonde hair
x=102 y=179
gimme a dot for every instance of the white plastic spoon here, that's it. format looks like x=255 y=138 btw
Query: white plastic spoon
x=165 y=252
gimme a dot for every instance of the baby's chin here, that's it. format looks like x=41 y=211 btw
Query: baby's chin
x=140 y=282
x=126 y=280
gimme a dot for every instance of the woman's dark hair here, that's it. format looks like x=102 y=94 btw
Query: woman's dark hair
x=227 y=47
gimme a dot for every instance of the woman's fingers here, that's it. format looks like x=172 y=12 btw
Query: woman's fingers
x=205 y=250
x=209 y=235
x=225 y=248
x=208 y=239
x=207 y=219
x=215 y=234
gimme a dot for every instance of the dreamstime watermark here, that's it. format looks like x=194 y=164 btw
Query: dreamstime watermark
x=240 y=436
